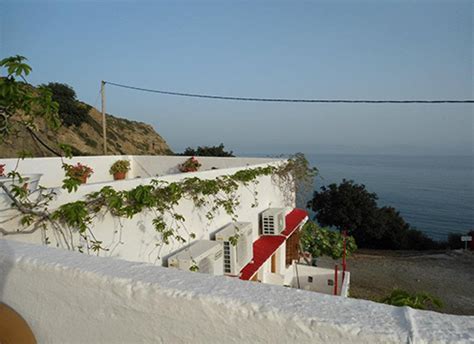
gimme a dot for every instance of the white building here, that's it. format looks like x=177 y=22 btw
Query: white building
x=271 y=252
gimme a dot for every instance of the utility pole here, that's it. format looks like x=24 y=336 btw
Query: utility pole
x=104 y=121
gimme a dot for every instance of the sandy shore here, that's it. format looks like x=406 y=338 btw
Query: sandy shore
x=448 y=275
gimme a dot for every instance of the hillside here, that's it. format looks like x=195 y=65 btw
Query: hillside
x=123 y=137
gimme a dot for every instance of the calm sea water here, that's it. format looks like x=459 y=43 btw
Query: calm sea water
x=435 y=194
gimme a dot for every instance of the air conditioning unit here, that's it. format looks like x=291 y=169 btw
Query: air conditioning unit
x=238 y=255
x=273 y=221
x=206 y=255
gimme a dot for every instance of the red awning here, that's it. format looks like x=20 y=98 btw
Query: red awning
x=265 y=246
x=293 y=220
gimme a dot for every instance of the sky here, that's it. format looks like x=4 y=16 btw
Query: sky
x=278 y=49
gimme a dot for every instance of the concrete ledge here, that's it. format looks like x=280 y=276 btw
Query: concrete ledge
x=70 y=298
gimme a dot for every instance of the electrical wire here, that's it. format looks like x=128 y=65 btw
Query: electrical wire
x=288 y=100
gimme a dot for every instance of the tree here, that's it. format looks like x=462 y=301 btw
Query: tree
x=349 y=206
x=321 y=241
x=71 y=111
x=20 y=103
x=208 y=151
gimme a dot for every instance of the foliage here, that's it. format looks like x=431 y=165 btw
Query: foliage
x=350 y=207
x=321 y=241
x=120 y=166
x=158 y=197
x=20 y=103
x=208 y=151
x=400 y=298
x=75 y=175
x=71 y=111
x=190 y=165
x=299 y=178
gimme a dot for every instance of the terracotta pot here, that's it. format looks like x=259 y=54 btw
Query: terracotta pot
x=120 y=175
x=83 y=179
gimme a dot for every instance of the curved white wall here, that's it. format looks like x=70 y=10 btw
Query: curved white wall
x=67 y=297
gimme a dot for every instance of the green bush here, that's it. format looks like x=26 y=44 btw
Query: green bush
x=400 y=298
x=71 y=111
x=349 y=206
x=325 y=242
x=208 y=151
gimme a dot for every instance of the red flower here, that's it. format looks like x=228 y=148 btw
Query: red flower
x=2 y=170
x=190 y=165
x=78 y=171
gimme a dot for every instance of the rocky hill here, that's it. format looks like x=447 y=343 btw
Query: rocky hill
x=123 y=137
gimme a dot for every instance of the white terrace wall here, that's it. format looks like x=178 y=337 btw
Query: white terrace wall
x=67 y=297
x=142 y=166
x=135 y=239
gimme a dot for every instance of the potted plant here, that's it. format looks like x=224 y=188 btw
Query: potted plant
x=119 y=169
x=190 y=165
x=2 y=170
x=79 y=172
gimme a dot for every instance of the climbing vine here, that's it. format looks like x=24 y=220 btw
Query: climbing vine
x=158 y=197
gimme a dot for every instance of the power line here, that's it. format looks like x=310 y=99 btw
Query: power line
x=286 y=100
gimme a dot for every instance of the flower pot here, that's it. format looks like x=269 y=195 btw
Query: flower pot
x=83 y=179
x=120 y=175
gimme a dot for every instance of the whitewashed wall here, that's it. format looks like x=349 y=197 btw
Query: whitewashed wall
x=141 y=166
x=135 y=239
x=67 y=297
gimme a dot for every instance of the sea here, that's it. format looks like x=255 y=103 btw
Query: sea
x=435 y=194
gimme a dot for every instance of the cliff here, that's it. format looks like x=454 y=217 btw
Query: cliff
x=123 y=137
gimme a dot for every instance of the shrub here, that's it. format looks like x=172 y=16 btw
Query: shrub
x=400 y=298
x=349 y=206
x=325 y=242
x=208 y=151
x=71 y=111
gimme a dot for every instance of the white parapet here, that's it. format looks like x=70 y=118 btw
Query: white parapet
x=67 y=297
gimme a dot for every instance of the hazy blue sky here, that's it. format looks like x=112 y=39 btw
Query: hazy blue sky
x=338 y=49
